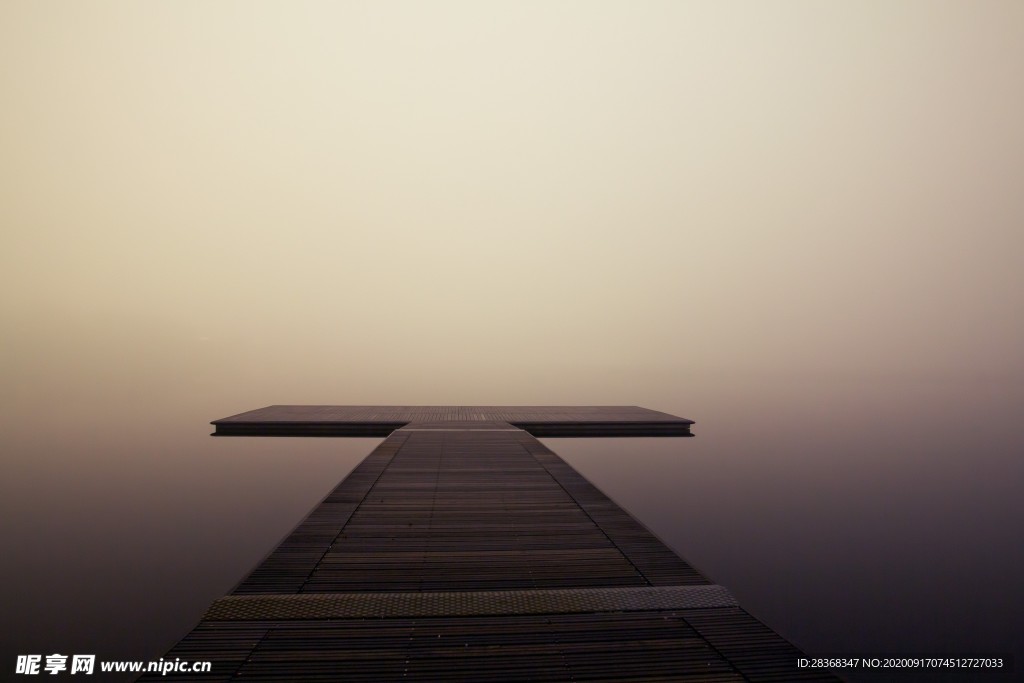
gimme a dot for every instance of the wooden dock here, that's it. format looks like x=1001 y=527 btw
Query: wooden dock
x=462 y=548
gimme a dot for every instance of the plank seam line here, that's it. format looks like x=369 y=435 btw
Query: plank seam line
x=280 y=606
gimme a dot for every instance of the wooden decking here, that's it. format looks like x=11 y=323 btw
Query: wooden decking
x=382 y=420
x=467 y=550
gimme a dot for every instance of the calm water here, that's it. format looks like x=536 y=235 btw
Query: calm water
x=851 y=515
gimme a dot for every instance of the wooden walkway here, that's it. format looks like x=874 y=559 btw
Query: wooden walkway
x=462 y=548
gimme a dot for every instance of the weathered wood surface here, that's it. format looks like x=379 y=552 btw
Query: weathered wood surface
x=412 y=568
x=544 y=421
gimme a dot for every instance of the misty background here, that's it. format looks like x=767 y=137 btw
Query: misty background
x=800 y=224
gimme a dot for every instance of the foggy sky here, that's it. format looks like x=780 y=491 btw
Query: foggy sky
x=504 y=202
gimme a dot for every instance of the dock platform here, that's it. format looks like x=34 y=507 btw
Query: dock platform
x=462 y=548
